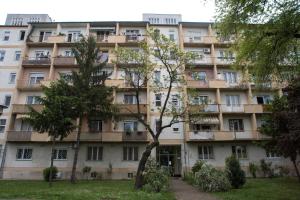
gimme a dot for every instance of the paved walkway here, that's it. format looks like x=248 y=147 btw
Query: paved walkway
x=184 y=191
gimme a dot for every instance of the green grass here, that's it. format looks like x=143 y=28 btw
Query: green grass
x=264 y=189
x=86 y=190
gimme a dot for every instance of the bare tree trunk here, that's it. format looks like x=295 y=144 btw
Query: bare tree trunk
x=51 y=162
x=296 y=169
x=141 y=168
x=73 y=175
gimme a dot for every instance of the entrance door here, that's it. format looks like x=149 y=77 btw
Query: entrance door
x=170 y=157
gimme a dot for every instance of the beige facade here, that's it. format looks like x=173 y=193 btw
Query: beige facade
x=230 y=107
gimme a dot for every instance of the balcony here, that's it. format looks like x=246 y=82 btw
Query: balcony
x=204 y=108
x=132 y=108
x=224 y=60
x=196 y=41
x=24 y=108
x=201 y=135
x=139 y=136
x=26 y=85
x=64 y=61
x=36 y=62
x=232 y=108
x=216 y=83
x=197 y=84
x=19 y=136
x=224 y=135
x=202 y=60
x=112 y=136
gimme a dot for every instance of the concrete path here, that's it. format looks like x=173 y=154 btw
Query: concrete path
x=184 y=191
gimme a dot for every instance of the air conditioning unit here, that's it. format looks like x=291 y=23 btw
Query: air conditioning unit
x=206 y=51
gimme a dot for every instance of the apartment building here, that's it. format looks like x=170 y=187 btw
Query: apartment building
x=225 y=109
x=24 y=19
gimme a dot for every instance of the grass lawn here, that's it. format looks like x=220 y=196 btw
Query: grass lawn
x=87 y=190
x=265 y=189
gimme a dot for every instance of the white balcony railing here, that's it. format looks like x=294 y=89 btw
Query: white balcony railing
x=201 y=135
x=232 y=108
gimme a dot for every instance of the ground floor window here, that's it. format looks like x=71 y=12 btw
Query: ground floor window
x=272 y=154
x=24 y=154
x=60 y=154
x=240 y=151
x=94 y=153
x=130 y=153
x=205 y=152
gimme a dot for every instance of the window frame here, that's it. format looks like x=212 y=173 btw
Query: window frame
x=2 y=55
x=10 y=78
x=243 y=151
x=130 y=153
x=205 y=152
x=23 y=153
x=56 y=154
x=2 y=125
x=99 y=153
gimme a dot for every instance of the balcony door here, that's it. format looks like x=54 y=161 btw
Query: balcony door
x=236 y=125
x=73 y=36
x=44 y=35
x=36 y=78
x=230 y=77
x=233 y=100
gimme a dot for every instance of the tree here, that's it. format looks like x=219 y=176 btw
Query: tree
x=235 y=174
x=162 y=54
x=267 y=34
x=283 y=126
x=92 y=98
x=57 y=116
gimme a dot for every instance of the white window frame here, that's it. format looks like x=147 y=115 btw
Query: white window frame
x=240 y=151
x=6 y=36
x=18 y=55
x=158 y=100
x=129 y=99
x=2 y=55
x=99 y=125
x=130 y=153
x=12 y=78
x=23 y=153
x=205 y=152
x=95 y=151
x=175 y=100
x=57 y=152
x=36 y=78
x=272 y=155
x=5 y=99
x=133 y=126
x=2 y=125
x=34 y=100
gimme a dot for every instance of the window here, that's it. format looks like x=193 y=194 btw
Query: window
x=201 y=127
x=230 y=77
x=200 y=100
x=95 y=126
x=32 y=100
x=73 y=36
x=94 y=153
x=22 y=35
x=2 y=55
x=263 y=99
x=66 y=76
x=17 y=55
x=175 y=127
x=239 y=151
x=172 y=55
x=6 y=35
x=236 y=125
x=201 y=76
x=157 y=99
x=25 y=126
x=7 y=100
x=130 y=126
x=233 y=100
x=172 y=36
x=175 y=100
x=2 y=125
x=272 y=154
x=130 y=153
x=157 y=124
x=60 y=154
x=205 y=152
x=12 y=78
x=44 y=35
x=24 y=154
x=35 y=78
x=69 y=53
x=129 y=99
x=157 y=76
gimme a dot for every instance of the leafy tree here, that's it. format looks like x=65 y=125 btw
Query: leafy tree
x=267 y=34
x=163 y=54
x=57 y=116
x=235 y=174
x=283 y=124
x=92 y=98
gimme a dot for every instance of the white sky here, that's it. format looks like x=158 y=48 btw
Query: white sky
x=109 y=10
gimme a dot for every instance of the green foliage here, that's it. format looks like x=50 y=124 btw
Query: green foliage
x=86 y=169
x=266 y=168
x=210 y=179
x=282 y=170
x=253 y=169
x=46 y=173
x=235 y=174
x=197 y=166
x=156 y=179
x=267 y=34
x=189 y=177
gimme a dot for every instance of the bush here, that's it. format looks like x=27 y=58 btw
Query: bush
x=235 y=174
x=46 y=173
x=156 y=178
x=266 y=168
x=189 y=178
x=210 y=179
x=282 y=170
x=197 y=166
x=253 y=168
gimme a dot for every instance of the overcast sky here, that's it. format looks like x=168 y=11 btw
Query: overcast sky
x=109 y=10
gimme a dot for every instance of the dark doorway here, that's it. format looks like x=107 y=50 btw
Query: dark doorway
x=260 y=100
x=170 y=157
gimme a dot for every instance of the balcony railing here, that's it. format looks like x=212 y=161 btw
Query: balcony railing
x=134 y=38
x=197 y=84
x=47 y=39
x=64 y=61
x=225 y=60
x=24 y=108
x=26 y=84
x=201 y=39
x=201 y=135
x=19 y=136
x=232 y=108
x=205 y=60
x=209 y=108
x=134 y=136
x=132 y=108
x=36 y=61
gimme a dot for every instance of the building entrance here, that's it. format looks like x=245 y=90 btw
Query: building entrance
x=170 y=157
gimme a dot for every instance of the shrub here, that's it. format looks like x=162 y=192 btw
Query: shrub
x=266 y=168
x=46 y=173
x=156 y=178
x=86 y=171
x=197 y=166
x=282 y=170
x=253 y=168
x=235 y=174
x=189 y=178
x=210 y=179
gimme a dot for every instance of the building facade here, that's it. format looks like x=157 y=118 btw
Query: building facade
x=231 y=108
x=24 y=19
